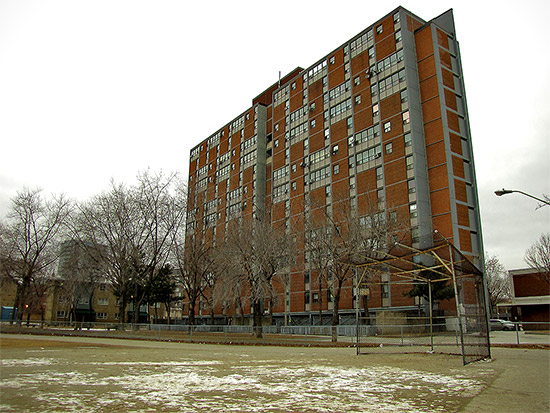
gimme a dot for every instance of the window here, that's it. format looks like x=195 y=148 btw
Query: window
x=349 y=122
x=398 y=36
x=335 y=149
x=404 y=96
x=375 y=110
x=379 y=173
x=357 y=81
x=387 y=127
x=276 y=127
x=336 y=169
x=306 y=278
x=327 y=133
x=101 y=316
x=409 y=162
x=389 y=148
x=102 y=287
x=371 y=52
x=306 y=297
x=406 y=117
x=327 y=191
x=379 y=29
x=315 y=298
x=293 y=86
x=312 y=107
x=60 y=314
x=408 y=139
x=293 y=186
x=357 y=100
x=412 y=210
x=412 y=186
x=373 y=90
x=331 y=60
x=294 y=168
x=276 y=143
x=312 y=123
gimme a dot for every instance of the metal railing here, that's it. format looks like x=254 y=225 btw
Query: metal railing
x=418 y=335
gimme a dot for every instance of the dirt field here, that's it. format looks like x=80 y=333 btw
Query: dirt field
x=40 y=373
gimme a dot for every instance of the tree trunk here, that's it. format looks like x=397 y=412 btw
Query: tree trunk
x=320 y=301
x=257 y=323
x=335 y=314
x=193 y=296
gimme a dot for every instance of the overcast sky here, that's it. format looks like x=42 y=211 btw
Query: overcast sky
x=91 y=90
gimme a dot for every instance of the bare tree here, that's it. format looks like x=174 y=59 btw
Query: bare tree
x=30 y=239
x=257 y=253
x=195 y=261
x=498 y=283
x=340 y=238
x=538 y=257
x=132 y=230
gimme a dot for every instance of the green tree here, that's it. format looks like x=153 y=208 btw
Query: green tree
x=441 y=290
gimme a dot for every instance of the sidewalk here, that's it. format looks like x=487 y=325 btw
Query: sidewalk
x=521 y=384
x=520 y=337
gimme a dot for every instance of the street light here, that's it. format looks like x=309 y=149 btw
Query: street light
x=509 y=191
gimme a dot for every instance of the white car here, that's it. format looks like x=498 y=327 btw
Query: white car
x=497 y=325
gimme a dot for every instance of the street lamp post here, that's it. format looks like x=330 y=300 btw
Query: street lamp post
x=509 y=191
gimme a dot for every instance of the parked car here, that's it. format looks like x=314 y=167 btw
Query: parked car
x=497 y=325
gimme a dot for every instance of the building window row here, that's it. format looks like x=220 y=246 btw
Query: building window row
x=223 y=158
x=298 y=130
x=297 y=114
x=236 y=125
x=233 y=195
x=319 y=174
x=195 y=151
x=390 y=61
x=248 y=143
x=249 y=157
x=365 y=135
x=280 y=190
x=280 y=173
x=223 y=171
x=340 y=108
x=391 y=81
x=359 y=44
x=340 y=90
x=316 y=70
x=369 y=155
x=319 y=155
x=213 y=140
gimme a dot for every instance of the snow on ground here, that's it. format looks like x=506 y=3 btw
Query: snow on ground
x=241 y=383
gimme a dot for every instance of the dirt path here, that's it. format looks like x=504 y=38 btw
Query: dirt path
x=80 y=373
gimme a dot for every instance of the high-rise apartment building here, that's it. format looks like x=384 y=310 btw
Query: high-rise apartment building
x=382 y=118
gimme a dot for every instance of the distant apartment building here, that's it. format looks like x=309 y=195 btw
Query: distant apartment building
x=382 y=118
x=530 y=301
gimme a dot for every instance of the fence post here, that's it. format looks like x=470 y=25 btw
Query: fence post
x=517 y=332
